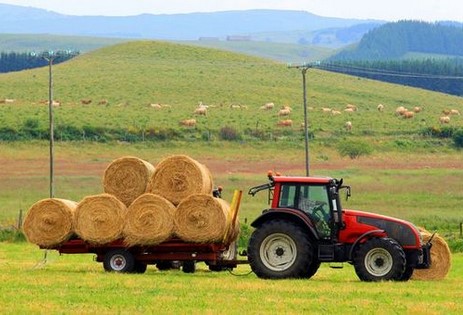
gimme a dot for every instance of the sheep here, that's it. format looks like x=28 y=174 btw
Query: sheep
x=267 y=106
x=400 y=110
x=55 y=103
x=335 y=112
x=103 y=102
x=201 y=111
x=326 y=109
x=85 y=101
x=408 y=114
x=348 y=126
x=188 y=122
x=349 y=110
x=446 y=112
x=156 y=106
x=284 y=112
x=417 y=109
x=353 y=107
x=9 y=100
x=444 y=119
x=380 y=107
x=454 y=112
x=285 y=123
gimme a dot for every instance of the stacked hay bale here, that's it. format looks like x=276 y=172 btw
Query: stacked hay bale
x=49 y=222
x=127 y=178
x=99 y=219
x=142 y=204
x=441 y=258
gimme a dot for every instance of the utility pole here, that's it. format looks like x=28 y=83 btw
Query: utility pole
x=304 y=67
x=50 y=57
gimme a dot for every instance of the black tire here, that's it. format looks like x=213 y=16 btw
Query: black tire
x=119 y=260
x=140 y=267
x=189 y=266
x=163 y=265
x=313 y=268
x=379 y=259
x=407 y=274
x=280 y=249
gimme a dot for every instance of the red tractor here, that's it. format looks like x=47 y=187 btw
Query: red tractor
x=306 y=226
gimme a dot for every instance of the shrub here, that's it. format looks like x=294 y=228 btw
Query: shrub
x=354 y=149
x=229 y=133
x=458 y=138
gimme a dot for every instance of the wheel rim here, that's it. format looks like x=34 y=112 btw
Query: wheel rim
x=118 y=262
x=378 y=262
x=278 y=252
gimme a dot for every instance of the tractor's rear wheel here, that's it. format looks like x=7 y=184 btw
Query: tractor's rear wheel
x=380 y=259
x=280 y=249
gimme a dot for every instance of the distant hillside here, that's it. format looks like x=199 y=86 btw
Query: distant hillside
x=26 y=20
x=121 y=81
x=394 y=41
x=42 y=42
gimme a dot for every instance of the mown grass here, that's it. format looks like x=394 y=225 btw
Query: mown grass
x=75 y=284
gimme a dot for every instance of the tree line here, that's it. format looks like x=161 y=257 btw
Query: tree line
x=442 y=75
x=17 y=61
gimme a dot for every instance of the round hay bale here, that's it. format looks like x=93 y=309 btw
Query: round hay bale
x=99 y=219
x=178 y=177
x=441 y=259
x=202 y=219
x=127 y=178
x=149 y=220
x=49 y=222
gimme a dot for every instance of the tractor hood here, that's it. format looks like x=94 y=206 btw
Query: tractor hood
x=359 y=222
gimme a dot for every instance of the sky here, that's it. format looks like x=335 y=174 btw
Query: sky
x=389 y=10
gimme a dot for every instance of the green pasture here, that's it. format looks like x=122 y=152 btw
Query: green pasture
x=75 y=284
x=131 y=76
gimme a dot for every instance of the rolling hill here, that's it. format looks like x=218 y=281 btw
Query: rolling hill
x=131 y=76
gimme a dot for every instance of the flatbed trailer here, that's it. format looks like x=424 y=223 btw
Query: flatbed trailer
x=119 y=257
x=116 y=256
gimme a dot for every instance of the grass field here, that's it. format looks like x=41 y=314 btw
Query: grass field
x=408 y=175
x=74 y=284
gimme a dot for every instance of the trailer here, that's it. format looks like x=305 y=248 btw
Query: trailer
x=116 y=256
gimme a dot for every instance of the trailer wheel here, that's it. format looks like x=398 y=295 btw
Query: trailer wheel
x=189 y=266
x=119 y=260
x=140 y=267
x=380 y=259
x=280 y=249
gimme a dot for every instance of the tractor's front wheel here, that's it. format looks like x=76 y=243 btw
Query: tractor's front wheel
x=280 y=249
x=380 y=259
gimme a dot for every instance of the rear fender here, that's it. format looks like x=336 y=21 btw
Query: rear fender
x=291 y=215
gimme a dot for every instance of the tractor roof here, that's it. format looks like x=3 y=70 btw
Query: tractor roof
x=302 y=179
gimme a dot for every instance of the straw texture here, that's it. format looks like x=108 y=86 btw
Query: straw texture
x=201 y=219
x=149 y=220
x=49 y=222
x=127 y=178
x=179 y=176
x=99 y=219
x=441 y=259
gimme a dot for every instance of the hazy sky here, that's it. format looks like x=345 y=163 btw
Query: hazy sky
x=391 y=10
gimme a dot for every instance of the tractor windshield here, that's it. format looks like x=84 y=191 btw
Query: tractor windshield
x=313 y=200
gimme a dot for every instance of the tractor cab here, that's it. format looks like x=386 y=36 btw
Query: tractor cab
x=316 y=199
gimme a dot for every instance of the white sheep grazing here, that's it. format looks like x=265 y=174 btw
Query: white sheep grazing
x=188 y=122
x=444 y=119
x=351 y=106
x=201 y=111
x=454 y=112
x=380 y=107
x=348 y=126
x=349 y=110
x=284 y=112
x=335 y=112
